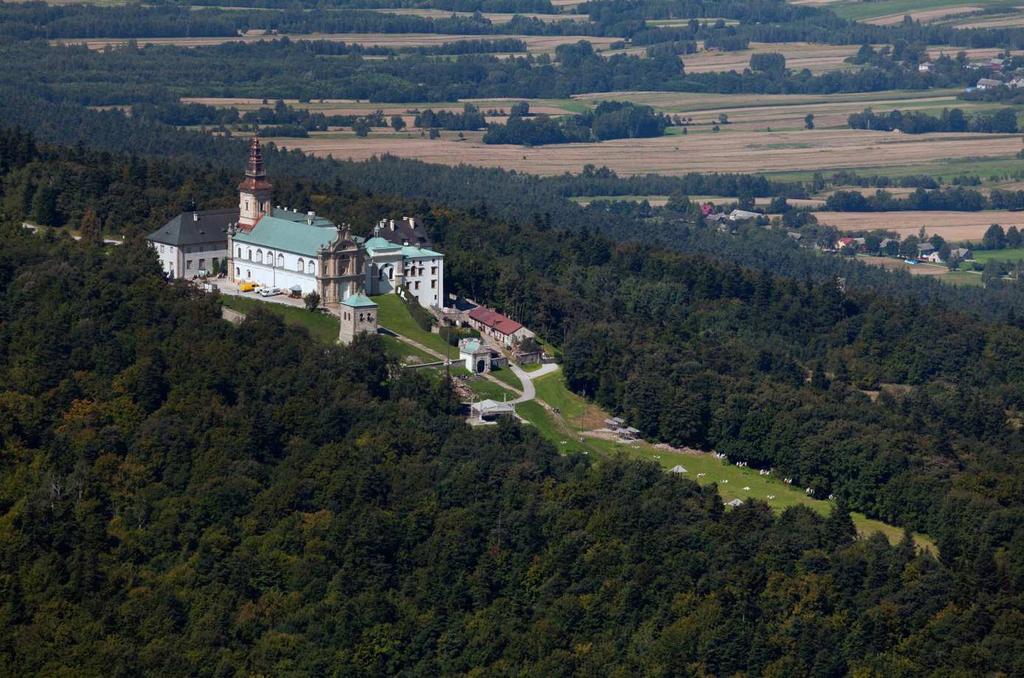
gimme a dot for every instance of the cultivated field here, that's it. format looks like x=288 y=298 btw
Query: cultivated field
x=704 y=151
x=780 y=112
x=799 y=55
x=493 y=17
x=537 y=44
x=924 y=15
x=926 y=10
x=355 y=107
x=953 y=226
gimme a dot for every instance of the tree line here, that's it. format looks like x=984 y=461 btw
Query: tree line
x=1003 y=121
x=607 y=120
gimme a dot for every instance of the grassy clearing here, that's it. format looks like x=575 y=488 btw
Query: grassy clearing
x=733 y=482
x=961 y=279
x=485 y=388
x=321 y=326
x=551 y=389
x=393 y=314
x=509 y=377
x=404 y=352
x=1010 y=254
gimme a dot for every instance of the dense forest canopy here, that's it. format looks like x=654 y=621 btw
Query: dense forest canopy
x=184 y=496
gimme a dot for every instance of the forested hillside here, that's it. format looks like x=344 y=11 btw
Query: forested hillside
x=180 y=496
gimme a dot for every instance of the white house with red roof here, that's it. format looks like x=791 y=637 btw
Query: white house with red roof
x=497 y=326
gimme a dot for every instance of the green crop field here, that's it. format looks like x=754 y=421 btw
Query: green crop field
x=1009 y=254
x=861 y=11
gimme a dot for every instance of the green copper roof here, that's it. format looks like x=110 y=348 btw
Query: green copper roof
x=411 y=251
x=290 y=232
x=379 y=243
x=359 y=301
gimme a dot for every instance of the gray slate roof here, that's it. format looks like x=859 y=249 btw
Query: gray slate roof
x=195 y=228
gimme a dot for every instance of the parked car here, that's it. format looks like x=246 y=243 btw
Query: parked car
x=269 y=291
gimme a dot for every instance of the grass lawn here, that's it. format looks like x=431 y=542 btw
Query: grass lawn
x=961 y=279
x=321 y=326
x=509 y=377
x=551 y=389
x=404 y=352
x=485 y=388
x=1009 y=254
x=393 y=314
x=733 y=482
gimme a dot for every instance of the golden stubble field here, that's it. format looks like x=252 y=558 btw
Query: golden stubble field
x=729 y=151
x=799 y=55
x=953 y=226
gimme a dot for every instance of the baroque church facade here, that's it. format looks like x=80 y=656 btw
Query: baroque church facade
x=288 y=249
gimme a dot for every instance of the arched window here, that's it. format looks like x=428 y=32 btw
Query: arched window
x=237 y=272
x=239 y=252
x=249 y=252
x=248 y=273
x=270 y=258
x=259 y=256
x=301 y=265
x=312 y=268
x=280 y=260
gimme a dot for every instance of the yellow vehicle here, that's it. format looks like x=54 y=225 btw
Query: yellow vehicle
x=247 y=287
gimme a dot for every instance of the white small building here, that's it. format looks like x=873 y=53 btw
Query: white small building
x=193 y=243
x=475 y=355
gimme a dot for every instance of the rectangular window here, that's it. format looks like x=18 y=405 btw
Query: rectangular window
x=417 y=285
x=188 y=263
x=433 y=270
x=433 y=286
x=202 y=263
x=161 y=248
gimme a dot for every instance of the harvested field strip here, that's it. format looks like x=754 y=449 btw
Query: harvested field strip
x=537 y=44
x=924 y=16
x=730 y=151
x=953 y=226
x=799 y=55
x=355 y=107
x=493 y=17
x=866 y=11
x=1011 y=20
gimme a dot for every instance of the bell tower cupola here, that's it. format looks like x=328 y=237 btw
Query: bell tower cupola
x=254 y=191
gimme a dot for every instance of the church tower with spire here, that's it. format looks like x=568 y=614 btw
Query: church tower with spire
x=254 y=191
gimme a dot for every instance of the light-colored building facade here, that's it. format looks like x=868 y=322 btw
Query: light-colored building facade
x=193 y=243
x=290 y=250
x=390 y=266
